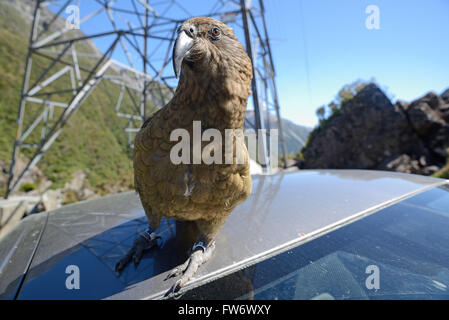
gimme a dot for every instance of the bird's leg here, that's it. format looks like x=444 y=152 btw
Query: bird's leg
x=145 y=240
x=200 y=253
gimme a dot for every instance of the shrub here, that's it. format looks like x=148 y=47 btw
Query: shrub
x=27 y=187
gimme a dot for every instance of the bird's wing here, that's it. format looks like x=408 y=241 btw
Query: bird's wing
x=158 y=181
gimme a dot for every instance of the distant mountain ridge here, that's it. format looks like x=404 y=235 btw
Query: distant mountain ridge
x=295 y=136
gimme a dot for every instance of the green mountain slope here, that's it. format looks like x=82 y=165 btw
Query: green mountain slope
x=93 y=140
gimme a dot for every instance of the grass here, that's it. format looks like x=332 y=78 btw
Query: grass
x=443 y=173
x=70 y=197
x=26 y=187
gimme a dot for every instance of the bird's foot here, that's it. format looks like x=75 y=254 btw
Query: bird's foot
x=145 y=240
x=200 y=254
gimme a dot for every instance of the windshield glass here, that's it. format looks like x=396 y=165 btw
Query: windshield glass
x=400 y=252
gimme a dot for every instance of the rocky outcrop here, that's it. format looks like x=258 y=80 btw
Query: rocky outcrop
x=34 y=177
x=75 y=190
x=369 y=132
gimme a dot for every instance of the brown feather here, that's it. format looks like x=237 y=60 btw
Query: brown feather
x=213 y=90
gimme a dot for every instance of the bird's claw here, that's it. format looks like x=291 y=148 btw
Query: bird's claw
x=198 y=256
x=178 y=270
x=141 y=243
x=173 y=273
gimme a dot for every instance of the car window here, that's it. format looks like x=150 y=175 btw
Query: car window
x=400 y=252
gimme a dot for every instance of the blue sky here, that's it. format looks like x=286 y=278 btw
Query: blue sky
x=321 y=45
x=408 y=55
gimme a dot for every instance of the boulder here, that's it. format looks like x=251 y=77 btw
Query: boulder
x=52 y=199
x=424 y=114
x=78 y=181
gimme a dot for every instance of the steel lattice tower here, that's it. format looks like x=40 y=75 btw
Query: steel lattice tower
x=135 y=38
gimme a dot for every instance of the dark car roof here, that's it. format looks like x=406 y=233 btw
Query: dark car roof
x=283 y=210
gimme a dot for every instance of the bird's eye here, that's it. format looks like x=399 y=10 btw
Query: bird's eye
x=215 y=32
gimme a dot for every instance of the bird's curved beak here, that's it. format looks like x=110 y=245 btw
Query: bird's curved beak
x=182 y=46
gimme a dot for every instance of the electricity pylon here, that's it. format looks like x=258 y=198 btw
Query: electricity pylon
x=63 y=65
